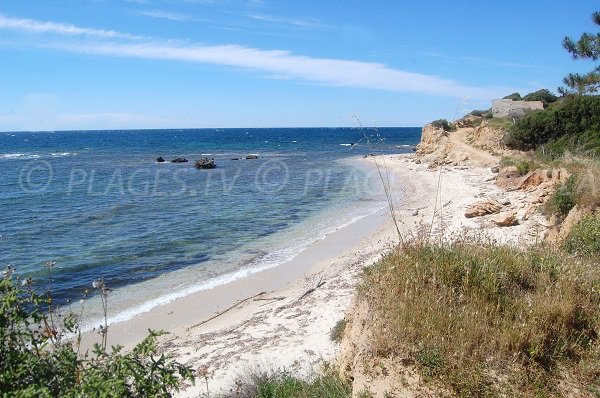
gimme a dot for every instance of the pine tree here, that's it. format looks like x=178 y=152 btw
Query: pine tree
x=587 y=47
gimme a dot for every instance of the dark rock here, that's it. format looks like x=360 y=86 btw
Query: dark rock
x=249 y=157
x=205 y=163
x=495 y=169
x=179 y=160
x=160 y=159
x=235 y=158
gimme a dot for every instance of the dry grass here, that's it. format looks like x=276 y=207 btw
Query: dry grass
x=482 y=320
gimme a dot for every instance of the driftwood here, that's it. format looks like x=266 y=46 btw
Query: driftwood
x=270 y=300
x=309 y=291
x=218 y=314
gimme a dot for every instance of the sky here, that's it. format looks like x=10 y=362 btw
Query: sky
x=130 y=64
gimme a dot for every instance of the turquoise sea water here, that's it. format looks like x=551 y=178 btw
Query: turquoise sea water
x=98 y=203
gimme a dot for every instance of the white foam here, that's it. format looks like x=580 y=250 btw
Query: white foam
x=270 y=260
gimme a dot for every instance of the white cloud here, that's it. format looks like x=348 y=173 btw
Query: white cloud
x=279 y=63
x=171 y=16
x=33 y=26
x=304 y=23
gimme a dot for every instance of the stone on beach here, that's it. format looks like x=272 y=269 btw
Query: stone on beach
x=505 y=219
x=482 y=208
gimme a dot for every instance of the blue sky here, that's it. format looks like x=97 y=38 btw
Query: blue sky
x=112 y=64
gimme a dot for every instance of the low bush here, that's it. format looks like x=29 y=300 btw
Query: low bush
x=563 y=199
x=443 y=124
x=38 y=360
x=523 y=166
x=482 y=320
x=282 y=384
x=584 y=237
x=337 y=332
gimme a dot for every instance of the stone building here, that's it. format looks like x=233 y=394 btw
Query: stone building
x=508 y=107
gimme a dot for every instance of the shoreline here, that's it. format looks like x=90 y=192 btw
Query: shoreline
x=282 y=317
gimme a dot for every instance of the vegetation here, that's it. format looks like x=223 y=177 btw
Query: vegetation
x=483 y=320
x=523 y=166
x=543 y=95
x=573 y=124
x=584 y=237
x=444 y=124
x=282 y=384
x=563 y=199
x=337 y=332
x=587 y=47
x=514 y=97
x=38 y=360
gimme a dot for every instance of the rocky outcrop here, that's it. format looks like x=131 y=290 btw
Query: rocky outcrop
x=160 y=159
x=179 y=160
x=482 y=208
x=489 y=138
x=205 y=163
x=250 y=157
x=432 y=140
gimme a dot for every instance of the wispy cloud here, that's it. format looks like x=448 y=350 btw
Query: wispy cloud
x=171 y=16
x=304 y=23
x=33 y=26
x=275 y=63
x=483 y=61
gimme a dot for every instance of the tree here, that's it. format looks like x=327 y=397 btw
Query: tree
x=513 y=96
x=587 y=47
x=543 y=95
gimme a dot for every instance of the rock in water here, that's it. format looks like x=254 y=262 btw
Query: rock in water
x=249 y=157
x=205 y=163
x=179 y=160
x=160 y=159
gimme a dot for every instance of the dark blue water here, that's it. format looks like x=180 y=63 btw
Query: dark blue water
x=98 y=203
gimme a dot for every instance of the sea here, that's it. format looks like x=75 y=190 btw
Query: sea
x=98 y=205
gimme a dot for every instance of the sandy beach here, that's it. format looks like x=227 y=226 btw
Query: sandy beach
x=282 y=317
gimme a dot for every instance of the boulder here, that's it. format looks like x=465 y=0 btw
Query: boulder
x=482 y=208
x=205 y=163
x=249 y=157
x=495 y=169
x=505 y=219
x=179 y=160
x=160 y=159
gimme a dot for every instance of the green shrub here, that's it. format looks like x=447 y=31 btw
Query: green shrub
x=337 y=332
x=564 y=198
x=513 y=96
x=543 y=95
x=584 y=237
x=573 y=124
x=282 y=384
x=523 y=166
x=37 y=359
x=444 y=124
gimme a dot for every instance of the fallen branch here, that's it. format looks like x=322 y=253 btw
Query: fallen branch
x=309 y=291
x=218 y=314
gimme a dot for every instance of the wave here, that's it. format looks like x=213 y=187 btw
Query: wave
x=261 y=262
x=26 y=156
